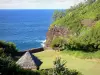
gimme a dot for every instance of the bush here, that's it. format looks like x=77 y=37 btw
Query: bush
x=97 y=17
x=8 y=48
x=1 y=51
x=7 y=66
x=58 y=43
x=59 y=67
x=74 y=72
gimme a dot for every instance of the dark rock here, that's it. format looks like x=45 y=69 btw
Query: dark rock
x=55 y=32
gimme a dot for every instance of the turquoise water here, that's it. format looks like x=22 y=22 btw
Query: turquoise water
x=26 y=28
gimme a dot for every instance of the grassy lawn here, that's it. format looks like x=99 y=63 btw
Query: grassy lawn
x=87 y=67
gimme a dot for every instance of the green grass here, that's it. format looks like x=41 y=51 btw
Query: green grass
x=83 y=55
x=87 y=67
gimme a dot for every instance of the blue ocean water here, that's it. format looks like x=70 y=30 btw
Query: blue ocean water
x=26 y=28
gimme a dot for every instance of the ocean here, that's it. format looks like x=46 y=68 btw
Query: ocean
x=26 y=28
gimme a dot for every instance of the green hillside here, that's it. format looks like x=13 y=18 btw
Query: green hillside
x=83 y=22
x=76 y=14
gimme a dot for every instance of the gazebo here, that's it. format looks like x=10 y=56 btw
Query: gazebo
x=29 y=61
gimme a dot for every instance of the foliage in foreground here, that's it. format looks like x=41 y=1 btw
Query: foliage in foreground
x=8 y=48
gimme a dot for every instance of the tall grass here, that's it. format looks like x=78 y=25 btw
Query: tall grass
x=83 y=55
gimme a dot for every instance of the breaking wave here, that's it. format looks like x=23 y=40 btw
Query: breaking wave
x=42 y=42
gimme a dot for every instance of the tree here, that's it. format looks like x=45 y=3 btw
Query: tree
x=59 y=67
x=58 y=14
x=58 y=43
x=8 y=48
x=90 y=1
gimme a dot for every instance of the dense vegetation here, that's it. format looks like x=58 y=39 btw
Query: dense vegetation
x=8 y=48
x=83 y=21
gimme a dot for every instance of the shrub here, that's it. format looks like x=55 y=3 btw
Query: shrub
x=97 y=17
x=7 y=66
x=58 y=43
x=59 y=67
x=74 y=72
x=8 y=48
x=1 y=51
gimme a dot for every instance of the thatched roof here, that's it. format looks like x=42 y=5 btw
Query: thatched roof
x=29 y=61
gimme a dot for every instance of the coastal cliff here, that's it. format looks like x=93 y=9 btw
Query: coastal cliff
x=55 y=32
x=78 y=29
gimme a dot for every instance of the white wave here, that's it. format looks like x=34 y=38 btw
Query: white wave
x=43 y=43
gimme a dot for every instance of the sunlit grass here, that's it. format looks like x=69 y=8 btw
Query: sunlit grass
x=85 y=66
x=83 y=55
